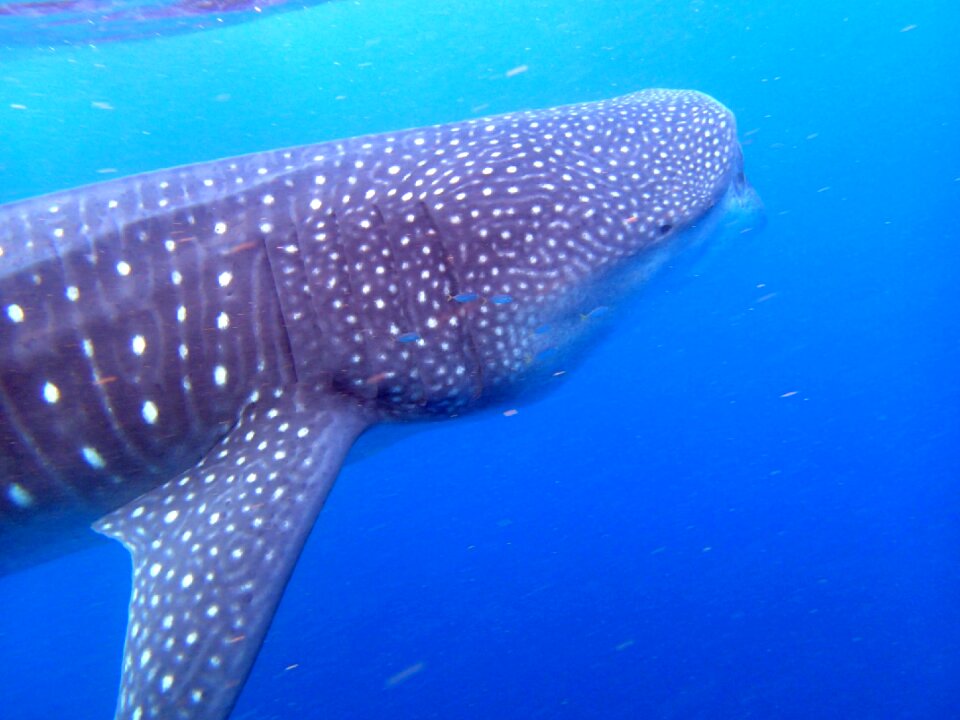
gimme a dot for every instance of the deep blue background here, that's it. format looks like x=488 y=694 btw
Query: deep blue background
x=666 y=535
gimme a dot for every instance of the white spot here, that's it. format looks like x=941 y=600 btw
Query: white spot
x=73 y=293
x=220 y=228
x=92 y=457
x=123 y=268
x=167 y=682
x=225 y=278
x=181 y=314
x=187 y=580
x=223 y=321
x=51 y=393
x=220 y=375
x=19 y=495
x=138 y=344
x=15 y=313
x=171 y=516
x=150 y=412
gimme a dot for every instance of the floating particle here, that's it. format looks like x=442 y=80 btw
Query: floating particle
x=404 y=674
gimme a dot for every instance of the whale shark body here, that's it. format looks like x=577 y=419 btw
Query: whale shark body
x=187 y=356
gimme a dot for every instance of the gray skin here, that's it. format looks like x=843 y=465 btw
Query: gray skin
x=186 y=356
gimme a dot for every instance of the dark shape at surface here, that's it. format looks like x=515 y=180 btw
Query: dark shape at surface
x=70 y=22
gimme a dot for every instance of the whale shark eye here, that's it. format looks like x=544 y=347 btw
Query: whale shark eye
x=664 y=229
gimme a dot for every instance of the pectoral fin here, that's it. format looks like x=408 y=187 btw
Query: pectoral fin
x=213 y=549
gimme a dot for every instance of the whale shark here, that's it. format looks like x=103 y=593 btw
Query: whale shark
x=188 y=355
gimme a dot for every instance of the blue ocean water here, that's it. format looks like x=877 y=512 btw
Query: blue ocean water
x=744 y=504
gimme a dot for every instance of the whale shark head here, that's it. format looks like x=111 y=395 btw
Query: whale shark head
x=479 y=247
x=551 y=217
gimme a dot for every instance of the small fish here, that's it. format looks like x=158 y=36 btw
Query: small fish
x=597 y=312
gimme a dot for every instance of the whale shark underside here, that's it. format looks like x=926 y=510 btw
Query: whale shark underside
x=187 y=356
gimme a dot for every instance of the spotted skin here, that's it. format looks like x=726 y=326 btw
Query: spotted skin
x=186 y=356
x=210 y=571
